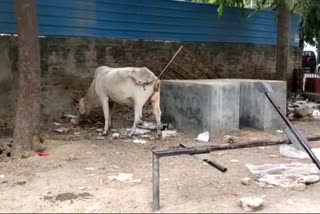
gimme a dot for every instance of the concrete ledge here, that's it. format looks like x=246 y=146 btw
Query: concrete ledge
x=220 y=106
x=196 y=107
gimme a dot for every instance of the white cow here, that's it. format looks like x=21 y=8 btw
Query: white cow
x=130 y=86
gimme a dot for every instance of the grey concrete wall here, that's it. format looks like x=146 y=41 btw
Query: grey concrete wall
x=67 y=66
x=196 y=107
x=221 y=106
x=255 y=109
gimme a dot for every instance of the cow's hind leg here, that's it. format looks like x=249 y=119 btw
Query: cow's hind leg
x=137 y=117
x=155 y=101
x=105 y=106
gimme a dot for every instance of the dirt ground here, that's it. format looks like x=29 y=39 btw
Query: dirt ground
x=74 y=177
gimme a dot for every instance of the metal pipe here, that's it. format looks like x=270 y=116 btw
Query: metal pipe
x=215 y=165
x=210 y=162
x=155 y=183
x=294 y=131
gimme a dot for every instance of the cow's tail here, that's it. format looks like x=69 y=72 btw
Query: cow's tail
x=156 y=86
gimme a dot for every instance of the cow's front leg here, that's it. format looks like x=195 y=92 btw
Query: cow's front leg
x=137 y=117
x=111 y=113
x=105 y=106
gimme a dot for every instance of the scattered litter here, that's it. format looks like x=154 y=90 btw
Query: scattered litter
x=21 y=182
x=2 y=176
x=250 y=204
x=298 y=187
x=298 y=107
x=147 y=125
x=279 y=131
x=99 y=130
x=246 y=181
x=115 y=135
x=91 y=175
x=89 y=169
x=146 y=136
x=26 y=154
x=203 y=137
x=234 y=161
x=316 y=113
x=284 y=175
x=74 y=121
x=139 y=131
x=169 y=133
x=291 y=152
x=43 y=154
x=100 y=138
x=273 y=156
x=289 y=201
x=139 y=141
x=62 y=130
x=70 y=116
x=229 y=138
x=220 y=153
x=124 y=177
x=82 y=188
x=57 y=124
x=261 y=147
x=77 y=133
x=92 y=208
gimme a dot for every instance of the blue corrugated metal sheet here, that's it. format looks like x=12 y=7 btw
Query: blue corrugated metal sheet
x=149 y=20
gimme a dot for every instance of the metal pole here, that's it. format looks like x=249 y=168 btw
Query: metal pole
x=294 y=131
x=155 y=183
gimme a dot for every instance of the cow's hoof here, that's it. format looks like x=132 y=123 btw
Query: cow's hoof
x=105 y=133
x=158 y=134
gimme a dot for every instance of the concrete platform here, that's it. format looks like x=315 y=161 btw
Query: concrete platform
x=220 y=106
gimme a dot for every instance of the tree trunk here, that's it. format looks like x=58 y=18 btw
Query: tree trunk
x=27 y=122
x=283 y=40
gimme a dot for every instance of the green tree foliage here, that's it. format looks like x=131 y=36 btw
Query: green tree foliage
x=308 y=10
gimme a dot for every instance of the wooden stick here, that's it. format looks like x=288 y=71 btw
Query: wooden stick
x=174 y=56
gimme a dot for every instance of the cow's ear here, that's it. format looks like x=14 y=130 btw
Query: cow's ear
x=75 y=101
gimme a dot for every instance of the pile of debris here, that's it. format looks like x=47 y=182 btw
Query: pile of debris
x=302 y=108
x=93 y=129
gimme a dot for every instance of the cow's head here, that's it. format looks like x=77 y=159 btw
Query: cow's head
x=79 y=104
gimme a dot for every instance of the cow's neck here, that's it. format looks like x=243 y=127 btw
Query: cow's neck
x=90 y=99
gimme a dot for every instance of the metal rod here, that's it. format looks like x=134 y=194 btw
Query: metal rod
x=174 y=56
x=155 y=183
x=215 y=165
x=294 y=131
x=210 y=162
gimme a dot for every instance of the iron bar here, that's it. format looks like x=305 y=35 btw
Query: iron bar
x=155 y=183
x=302 y=142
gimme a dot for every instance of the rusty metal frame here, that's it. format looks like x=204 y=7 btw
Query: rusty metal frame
x=156 y=155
